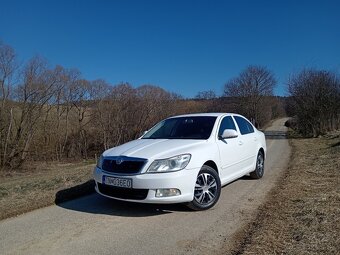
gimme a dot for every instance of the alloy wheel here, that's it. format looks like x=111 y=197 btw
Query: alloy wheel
x=260 y=164
x=205 y=189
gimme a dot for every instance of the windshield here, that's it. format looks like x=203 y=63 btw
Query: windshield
x=182 y=128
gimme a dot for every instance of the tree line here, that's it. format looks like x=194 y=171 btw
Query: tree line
x=55 y=114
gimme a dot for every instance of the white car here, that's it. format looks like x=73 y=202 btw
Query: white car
x=183 y=159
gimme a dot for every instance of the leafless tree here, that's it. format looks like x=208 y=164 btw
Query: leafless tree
x=63 y=105
x=207 y=95
x=104 y=110
x=252 y=87
x=8 y=66
x=154 y=104
x=32 y=96
x=315 y=100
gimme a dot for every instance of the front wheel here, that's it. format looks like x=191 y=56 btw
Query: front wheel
x=259 y=170
x=207 y=189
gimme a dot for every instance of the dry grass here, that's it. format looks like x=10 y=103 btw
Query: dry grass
x=302 y=213
x=42 y=184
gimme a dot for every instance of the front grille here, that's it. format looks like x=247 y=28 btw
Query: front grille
x=123 y=193
x=127 y=165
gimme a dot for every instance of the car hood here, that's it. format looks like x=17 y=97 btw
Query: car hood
x=154 y=148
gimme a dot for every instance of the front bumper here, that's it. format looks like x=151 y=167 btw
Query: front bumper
x=183 y=180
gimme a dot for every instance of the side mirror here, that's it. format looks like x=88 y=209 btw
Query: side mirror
x=228 y=133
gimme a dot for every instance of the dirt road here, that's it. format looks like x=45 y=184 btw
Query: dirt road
x=96 y=225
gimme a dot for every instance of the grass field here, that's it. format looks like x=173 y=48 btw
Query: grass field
x=302 y=213
x=42 y=184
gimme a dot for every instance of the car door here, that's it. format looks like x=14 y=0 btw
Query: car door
x=247 y=142
x=229 y=150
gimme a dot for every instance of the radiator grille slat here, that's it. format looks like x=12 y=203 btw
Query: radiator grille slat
x=123 y=165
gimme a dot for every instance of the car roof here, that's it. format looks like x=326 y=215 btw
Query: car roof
x=210 y=114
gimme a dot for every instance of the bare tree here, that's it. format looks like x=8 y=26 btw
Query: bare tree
x=252 y=87
x=154 y=104
x=32 y=95
x=8 y=67
x=315 y=100
x=81 y=99
x=103 y=111
x=208 y=100
x=207 y=95
x=62 y=105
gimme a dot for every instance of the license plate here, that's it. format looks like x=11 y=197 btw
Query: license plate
x=117 y=182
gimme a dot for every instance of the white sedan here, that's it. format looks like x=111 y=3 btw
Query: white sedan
x=183 y=159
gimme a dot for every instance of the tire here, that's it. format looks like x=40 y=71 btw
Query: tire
x=259 y=169
x=207 y=189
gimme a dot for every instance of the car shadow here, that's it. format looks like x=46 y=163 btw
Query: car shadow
x=246 y=178
x=96 y=204
x=243 y=178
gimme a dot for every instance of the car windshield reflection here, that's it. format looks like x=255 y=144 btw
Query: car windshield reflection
x=199 y=127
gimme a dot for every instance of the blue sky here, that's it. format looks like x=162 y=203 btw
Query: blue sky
x=183 y=46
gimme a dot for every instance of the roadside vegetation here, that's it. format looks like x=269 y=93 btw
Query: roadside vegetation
x=41 y=184
x=314 y=102
x=301 y=215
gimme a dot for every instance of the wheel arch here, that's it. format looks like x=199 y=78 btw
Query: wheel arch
x=212 y=164
x=262 y=151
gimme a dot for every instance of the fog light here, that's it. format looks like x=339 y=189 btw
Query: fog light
x=167 y=192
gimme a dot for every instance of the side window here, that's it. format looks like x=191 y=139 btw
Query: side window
x=244 y=125
x=227 y=123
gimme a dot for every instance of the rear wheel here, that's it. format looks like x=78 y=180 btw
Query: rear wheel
x=207 y=189
x=259 y=170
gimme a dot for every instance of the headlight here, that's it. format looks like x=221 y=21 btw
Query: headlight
x=100 y=161
x=170 y=164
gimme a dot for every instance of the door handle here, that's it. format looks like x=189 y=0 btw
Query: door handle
x=255 y=138
x=240 y=142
